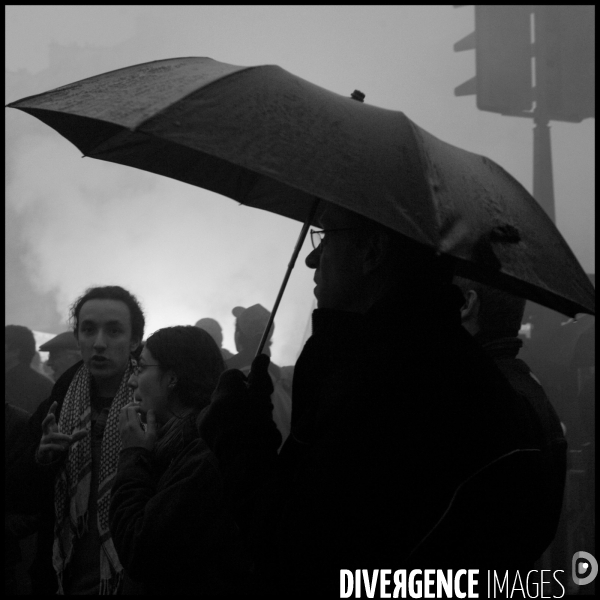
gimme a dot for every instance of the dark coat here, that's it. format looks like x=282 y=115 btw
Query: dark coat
x=168 y=522
x=16 y=525
x=523 y=382
x=33 y=484
x=408 y=450
x=281 y=397
x=26 y=388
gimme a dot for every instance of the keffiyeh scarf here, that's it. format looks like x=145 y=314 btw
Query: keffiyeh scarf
x=72 y=487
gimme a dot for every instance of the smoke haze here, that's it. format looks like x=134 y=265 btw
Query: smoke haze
x=187 y=253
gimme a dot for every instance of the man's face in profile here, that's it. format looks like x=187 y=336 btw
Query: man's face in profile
x=338 y=261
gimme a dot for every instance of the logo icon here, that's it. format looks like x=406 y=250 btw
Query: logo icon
x=585 y=568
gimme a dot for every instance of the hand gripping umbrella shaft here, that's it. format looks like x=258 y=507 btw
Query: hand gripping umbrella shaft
x=291 y=264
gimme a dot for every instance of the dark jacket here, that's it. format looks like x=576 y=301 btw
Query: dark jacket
x=26 y=388
x=503 y=352
x=281 y=397
x=33 y=484
x=408 y=450
x=168 y=522
x=16 y=524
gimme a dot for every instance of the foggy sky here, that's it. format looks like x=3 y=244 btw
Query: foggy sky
x=188 y=253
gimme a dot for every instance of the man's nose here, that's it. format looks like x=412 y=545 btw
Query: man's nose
x=132 y=381
x=312 y=260
x=99 y=342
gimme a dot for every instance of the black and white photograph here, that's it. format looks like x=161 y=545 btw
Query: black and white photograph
x=300 y=300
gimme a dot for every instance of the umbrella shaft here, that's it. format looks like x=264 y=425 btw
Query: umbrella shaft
x=291 y=264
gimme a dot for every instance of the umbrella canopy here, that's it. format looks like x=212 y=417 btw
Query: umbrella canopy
x=271 y=140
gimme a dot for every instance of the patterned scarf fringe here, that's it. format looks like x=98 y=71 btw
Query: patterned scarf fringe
x=111 y=578
x=111 y=587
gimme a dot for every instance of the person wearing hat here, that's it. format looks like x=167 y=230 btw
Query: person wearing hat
x=63 y=353
x=250 y=325
x=23 y=386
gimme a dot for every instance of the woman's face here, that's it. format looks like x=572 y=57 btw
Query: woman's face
x=151 y=386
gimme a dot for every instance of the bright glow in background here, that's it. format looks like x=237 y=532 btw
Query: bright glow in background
x=188 y=253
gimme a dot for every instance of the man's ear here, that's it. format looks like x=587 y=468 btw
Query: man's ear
x=469 y=311
x=376 y=251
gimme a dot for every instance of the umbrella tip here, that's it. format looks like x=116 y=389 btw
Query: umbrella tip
x=357 y=95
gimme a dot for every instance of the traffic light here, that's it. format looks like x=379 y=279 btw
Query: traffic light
x=503 y=72
x=565 y=41
x=561 y=39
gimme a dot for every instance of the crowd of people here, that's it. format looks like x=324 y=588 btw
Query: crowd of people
x=411 y=436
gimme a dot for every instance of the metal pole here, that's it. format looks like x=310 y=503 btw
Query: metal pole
x=543 y=187
x=291 y=264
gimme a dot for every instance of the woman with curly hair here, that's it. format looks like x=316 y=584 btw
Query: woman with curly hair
x=167 y=516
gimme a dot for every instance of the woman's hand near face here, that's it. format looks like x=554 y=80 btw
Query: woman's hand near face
x=53 y=443
x=131 y=430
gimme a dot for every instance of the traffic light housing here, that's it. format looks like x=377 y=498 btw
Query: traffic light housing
x=561 y=39
x=565 y=61
x=503 y=71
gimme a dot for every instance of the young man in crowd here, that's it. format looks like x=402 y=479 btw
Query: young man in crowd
x=70 y=453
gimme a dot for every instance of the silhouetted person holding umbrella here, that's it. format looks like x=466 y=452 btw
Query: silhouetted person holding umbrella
x=408 y=448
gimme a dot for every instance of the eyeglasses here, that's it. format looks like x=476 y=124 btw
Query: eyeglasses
x=137 y=368
x=317 y=236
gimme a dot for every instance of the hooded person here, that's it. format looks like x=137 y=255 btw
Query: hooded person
x=408 y=449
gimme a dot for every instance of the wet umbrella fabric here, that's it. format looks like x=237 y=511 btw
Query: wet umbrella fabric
x=271 y=140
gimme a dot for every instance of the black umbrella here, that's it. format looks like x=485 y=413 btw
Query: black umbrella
x=271 y=140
